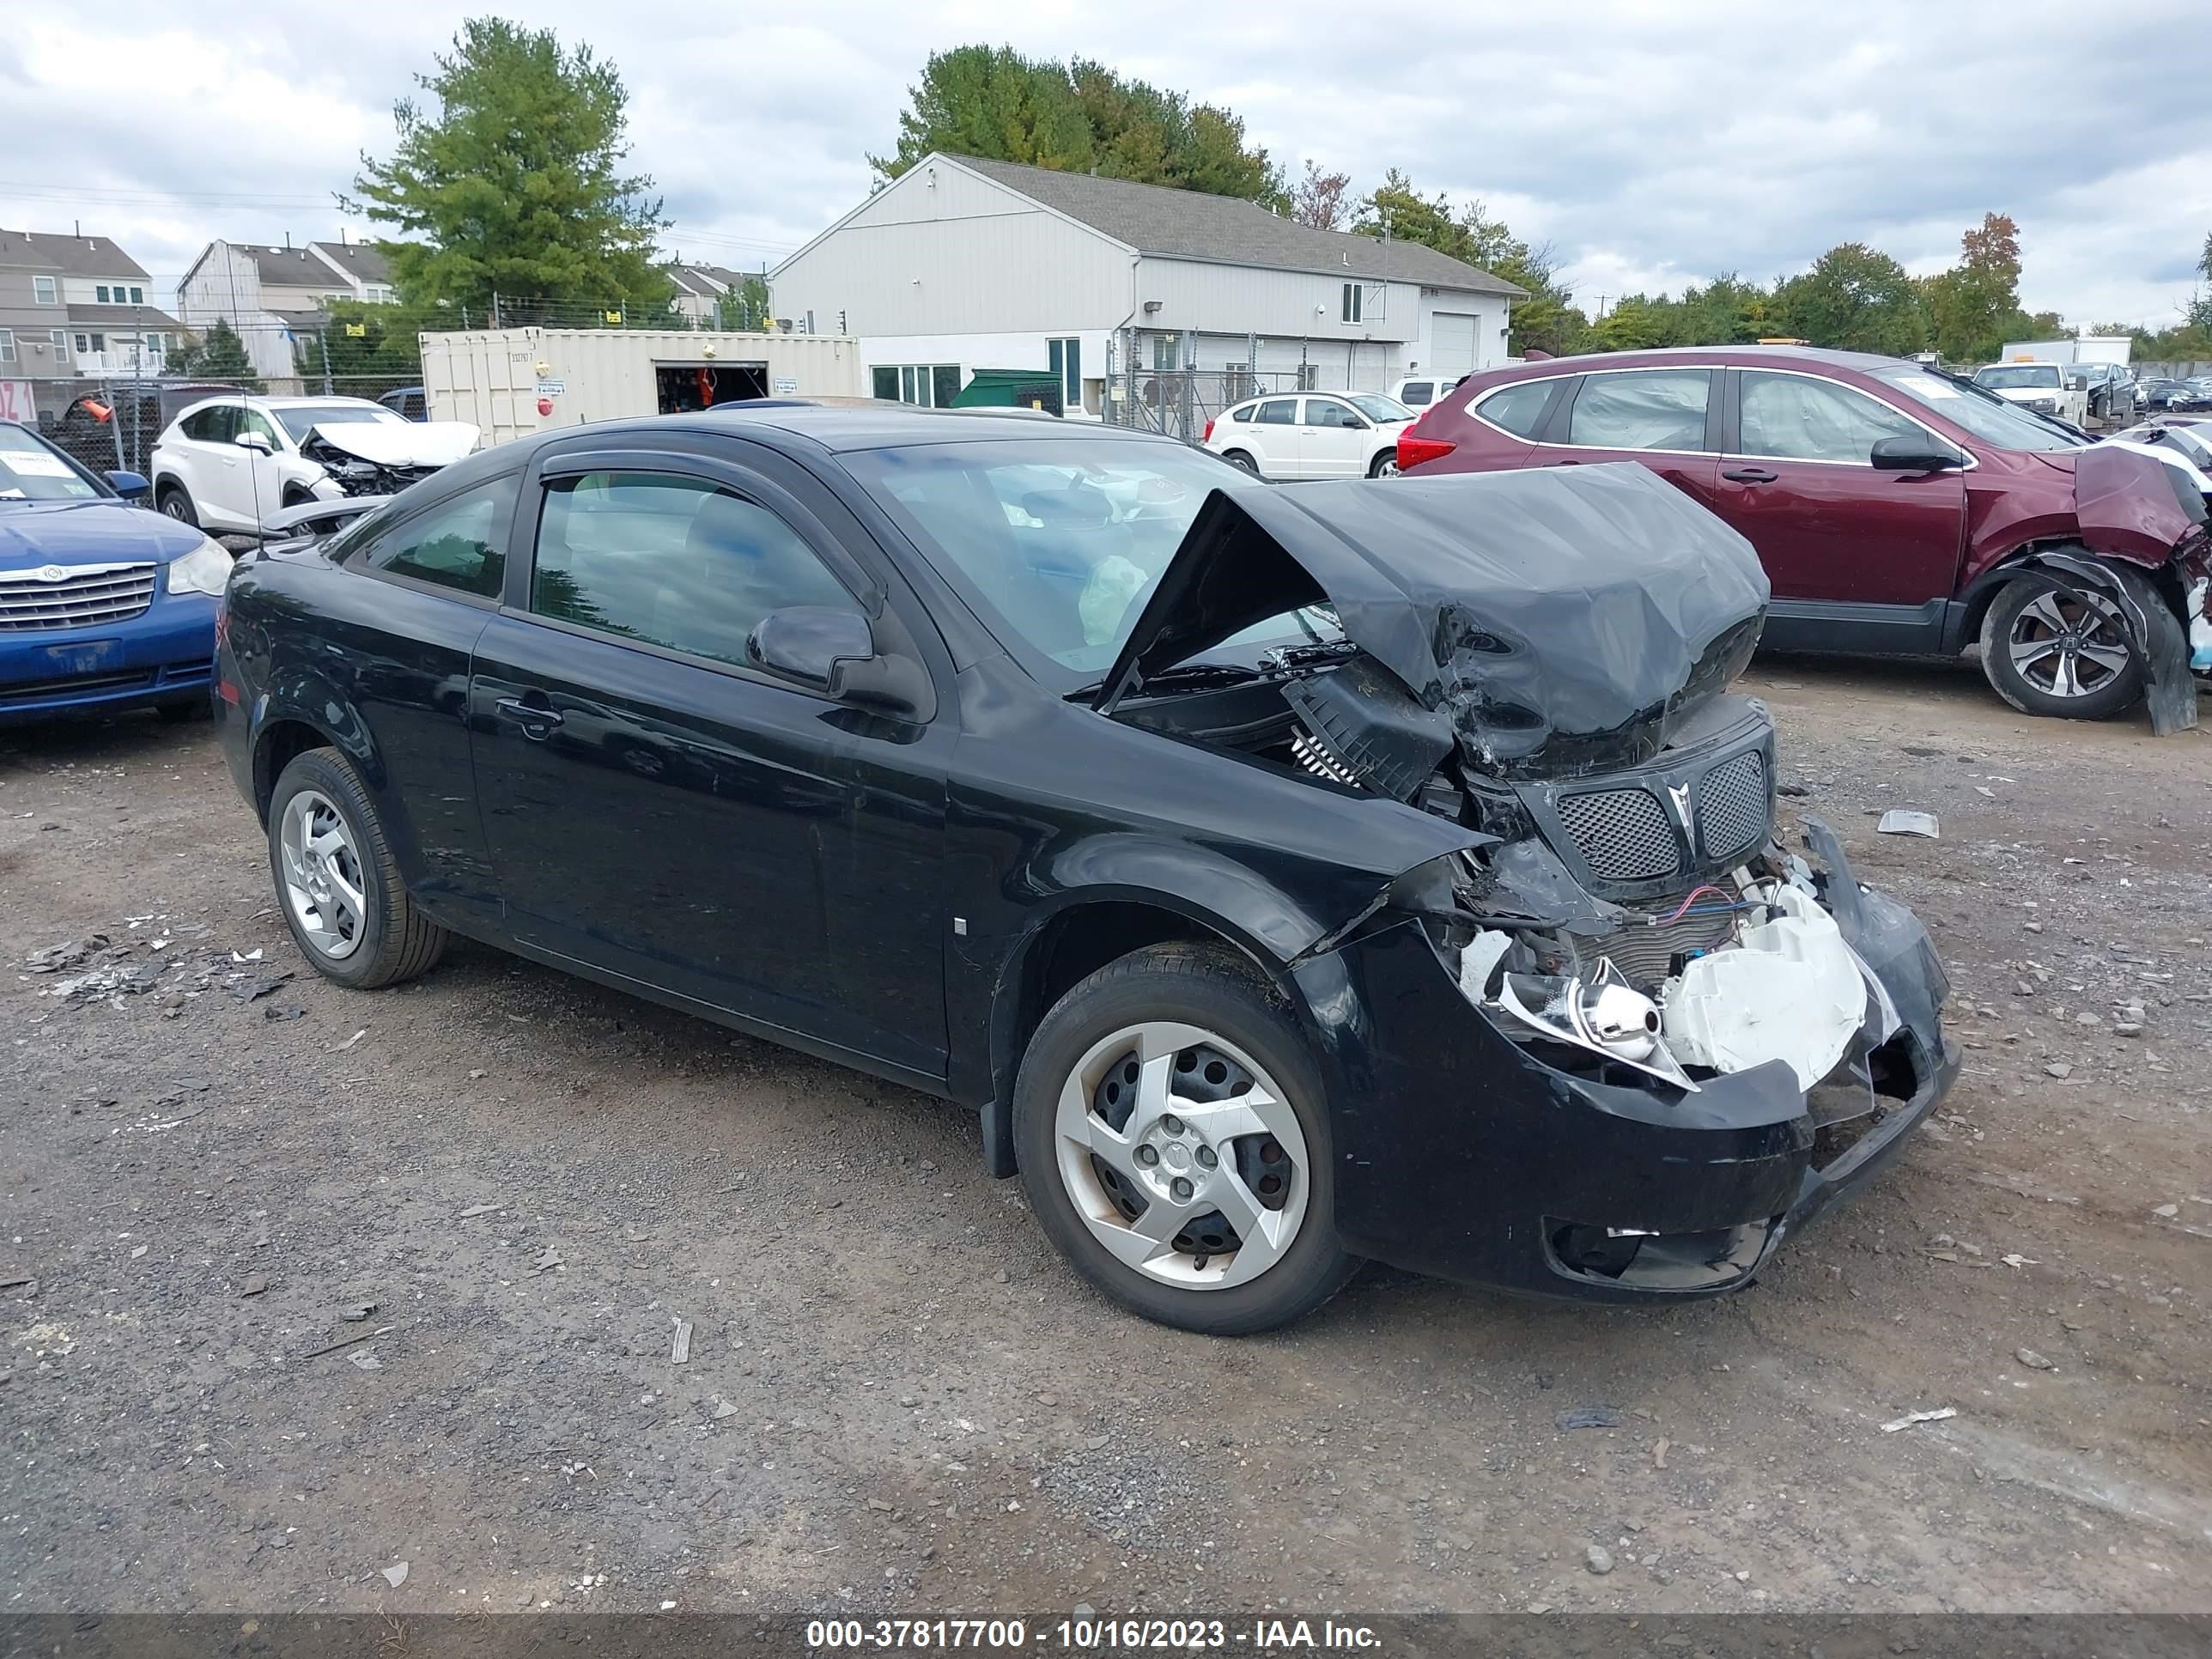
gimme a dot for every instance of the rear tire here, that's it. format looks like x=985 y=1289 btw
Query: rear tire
x=1238 y=457
x=176 y=503
x=1227 y=1121
x=2045 y=654
x=336 y=882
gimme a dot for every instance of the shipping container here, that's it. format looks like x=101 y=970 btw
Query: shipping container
x=514 y=382
x=2088 y=349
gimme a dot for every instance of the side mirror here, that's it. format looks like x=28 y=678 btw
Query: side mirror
x=257 y=441
x=1920 y=454
x=131 y=486
x=833 y=652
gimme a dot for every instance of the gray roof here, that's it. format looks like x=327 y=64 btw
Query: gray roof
x=1190 y=224
x=72 y=256
x=289 y=267
x=364 y=260
x=123 y=316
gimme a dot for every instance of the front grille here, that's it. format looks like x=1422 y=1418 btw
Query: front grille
x=1622 y=834
x=85 y=598
x=1732 y=803
x=34 y=690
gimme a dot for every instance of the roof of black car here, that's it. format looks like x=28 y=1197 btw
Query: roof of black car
x=840 y=428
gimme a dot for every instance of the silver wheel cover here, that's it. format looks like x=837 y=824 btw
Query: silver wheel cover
x=323 y=886
x=2066 y=648
x=1161 y=1151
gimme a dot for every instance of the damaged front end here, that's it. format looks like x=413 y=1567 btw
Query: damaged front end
x=1626 y=1041
x=2143 y=512
x=382 y=458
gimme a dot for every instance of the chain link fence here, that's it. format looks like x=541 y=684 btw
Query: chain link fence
x=1182 y=402
x=112 y=426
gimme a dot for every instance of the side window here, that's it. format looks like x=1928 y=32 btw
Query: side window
x=1240 y=415
x=1790 y=418
x=1518 y=408
x=460 y=546
x=252 y=420
x=1327 y=411
x=672 y=561
x=1643 y=409
x=1415 y=394
x=1279 y=411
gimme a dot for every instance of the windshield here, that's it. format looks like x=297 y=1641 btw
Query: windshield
x=2017 y=377
x=301 y=419
x=1982 y=413
x=1057 y=544
x=31 y=470
x=1377 y=407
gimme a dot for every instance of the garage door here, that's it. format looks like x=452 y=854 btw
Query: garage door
x=1451 y=343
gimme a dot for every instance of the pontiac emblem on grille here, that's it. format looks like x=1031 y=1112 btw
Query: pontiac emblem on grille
x=1681 y=799
x=51 y=573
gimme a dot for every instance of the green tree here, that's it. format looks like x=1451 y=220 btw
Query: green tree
x=218 y=354
x=1855 y=299
x=512 y=183
x=744 y=308
x=1546 y=320
x=386 y=354
x=1076 y=117
x=1971 y=307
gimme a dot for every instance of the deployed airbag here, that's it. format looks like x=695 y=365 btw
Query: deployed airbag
x=1787 y=989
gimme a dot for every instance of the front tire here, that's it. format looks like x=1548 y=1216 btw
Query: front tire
x=1174 y=1143
x=2049 y=653
x=336 y=882
x=176 y=503
x=1385 y=466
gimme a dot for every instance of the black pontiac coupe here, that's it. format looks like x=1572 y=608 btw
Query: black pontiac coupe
x=1286 y=876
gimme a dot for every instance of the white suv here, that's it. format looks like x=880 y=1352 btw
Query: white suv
x=1312 y=434
x=226 y=464
x=1419 y=390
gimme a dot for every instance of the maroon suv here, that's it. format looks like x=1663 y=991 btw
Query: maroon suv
x=1897 y=512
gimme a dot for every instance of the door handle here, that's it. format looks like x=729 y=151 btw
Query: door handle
x=1749 y=475
x=534 y=721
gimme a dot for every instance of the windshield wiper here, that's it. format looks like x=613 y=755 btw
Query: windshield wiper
x=1183 y=676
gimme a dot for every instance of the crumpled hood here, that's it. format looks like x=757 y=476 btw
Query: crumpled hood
x=1564 y=620
x=403 y=443
x=2133 y=503
x=37 y=533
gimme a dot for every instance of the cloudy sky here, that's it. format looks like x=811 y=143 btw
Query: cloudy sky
x=1652 y=145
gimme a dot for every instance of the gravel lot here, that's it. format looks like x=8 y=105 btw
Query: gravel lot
x=897 y=1399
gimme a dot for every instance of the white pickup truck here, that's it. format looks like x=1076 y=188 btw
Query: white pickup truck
x=2047 y=388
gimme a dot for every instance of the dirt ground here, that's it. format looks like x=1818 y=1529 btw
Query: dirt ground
x=897 y=1399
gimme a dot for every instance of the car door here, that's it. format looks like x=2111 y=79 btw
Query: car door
x=1665 y=418
x=257 y=475
x=1861 y=559
x=207 y=462
x=1275 y=440
x=1333 y=439
x=665 y=813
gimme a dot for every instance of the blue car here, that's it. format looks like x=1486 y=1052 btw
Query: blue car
x=103 y=605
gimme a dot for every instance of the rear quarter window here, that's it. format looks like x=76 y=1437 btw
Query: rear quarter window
x=1519 y=408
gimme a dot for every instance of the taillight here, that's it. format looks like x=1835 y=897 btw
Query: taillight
x=1414 y=449
x=1207 y=436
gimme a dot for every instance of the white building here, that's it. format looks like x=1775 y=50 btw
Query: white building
x=274 y=296
x=961 y=264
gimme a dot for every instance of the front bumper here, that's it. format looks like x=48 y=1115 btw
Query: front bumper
x=1459 y=1154
x=164 y=654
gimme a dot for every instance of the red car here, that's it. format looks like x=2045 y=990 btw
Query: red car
x=1897 y=512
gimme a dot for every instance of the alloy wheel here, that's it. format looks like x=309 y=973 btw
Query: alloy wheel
x=174 y=505
x=1182 y=1157
x=323 y=881
x=2066 y=647
x=1386 y=468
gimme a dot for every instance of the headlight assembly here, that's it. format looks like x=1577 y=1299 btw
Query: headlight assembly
x=206 y=570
